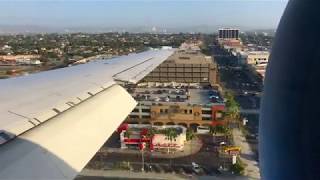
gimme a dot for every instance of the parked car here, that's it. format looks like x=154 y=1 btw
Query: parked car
x=195 y=167
x=203 y=130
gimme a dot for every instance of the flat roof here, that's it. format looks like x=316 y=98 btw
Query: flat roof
x=188 y=57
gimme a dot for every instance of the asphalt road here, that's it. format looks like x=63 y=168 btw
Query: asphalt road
x=246 y=85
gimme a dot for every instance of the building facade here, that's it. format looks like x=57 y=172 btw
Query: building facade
x=178 y=114
x=185 y=66
x=138 y=136
x=258 y=57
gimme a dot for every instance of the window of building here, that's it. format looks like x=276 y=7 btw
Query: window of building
x=186 y=111
x=190 y=111
x=146 y=110
x=206 y=112
x=135 y=110
x=166 y=111
x=145 y=117
x=206 y=118
x=134 y=116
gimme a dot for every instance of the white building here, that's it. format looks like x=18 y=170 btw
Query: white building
x=133 y=135
x=257 y=57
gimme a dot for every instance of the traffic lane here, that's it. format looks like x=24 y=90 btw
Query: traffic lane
x=248 y=102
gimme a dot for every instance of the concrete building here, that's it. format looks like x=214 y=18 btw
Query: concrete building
x=185 y=66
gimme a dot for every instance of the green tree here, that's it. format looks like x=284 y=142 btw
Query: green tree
x=171 y=135
x=189 y=134
x=237 y=168
x=151 y=132
x=233 y=108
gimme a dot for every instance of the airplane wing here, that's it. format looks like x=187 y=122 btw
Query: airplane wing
x=52 y=123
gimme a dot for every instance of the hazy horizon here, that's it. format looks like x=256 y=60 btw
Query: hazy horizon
x=140 y=15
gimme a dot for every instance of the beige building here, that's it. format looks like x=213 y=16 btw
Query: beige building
x=177 y=114
x=185 y=66
x=257 y=57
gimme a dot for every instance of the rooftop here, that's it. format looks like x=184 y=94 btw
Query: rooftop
x=189 y=57
x=193 y=95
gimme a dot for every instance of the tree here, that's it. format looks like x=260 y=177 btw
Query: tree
x=171 y=134
x=190 y=134
x=233 y=108
x=219 y=129
x=151 y=132
x=237 y=168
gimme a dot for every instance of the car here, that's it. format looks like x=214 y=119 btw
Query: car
x=222 y=143
x=203 y=130
x=196 y=168
x=214 y=97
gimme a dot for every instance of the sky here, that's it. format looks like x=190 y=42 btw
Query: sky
x=247 y=14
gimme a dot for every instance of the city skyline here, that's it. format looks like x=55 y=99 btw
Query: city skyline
x=139 y=16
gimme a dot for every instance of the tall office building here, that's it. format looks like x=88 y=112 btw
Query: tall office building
x=228 y=33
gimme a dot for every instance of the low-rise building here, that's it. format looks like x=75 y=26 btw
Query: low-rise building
x=258 y=60
x=258 y=57
x=186 y=115
x=140 y=136
x=20 y=60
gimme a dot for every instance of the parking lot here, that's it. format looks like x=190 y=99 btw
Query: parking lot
x=207 y=159
x=189 y=95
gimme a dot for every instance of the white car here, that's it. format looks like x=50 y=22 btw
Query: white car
x=203 y=130
x=195 y=167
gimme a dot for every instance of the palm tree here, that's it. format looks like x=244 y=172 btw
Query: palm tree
x=190 y=134
x=233 y=108
x=151 y=132
x=171 y=134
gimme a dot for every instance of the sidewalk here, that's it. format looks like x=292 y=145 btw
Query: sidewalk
x=246 y=156
x=191 y=147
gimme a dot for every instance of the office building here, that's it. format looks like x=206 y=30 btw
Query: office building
x=228 y=33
